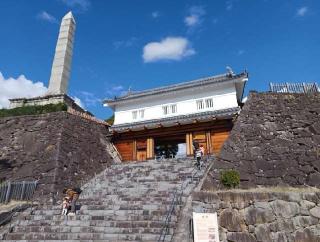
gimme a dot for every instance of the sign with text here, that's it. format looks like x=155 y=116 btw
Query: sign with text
x=205 y=227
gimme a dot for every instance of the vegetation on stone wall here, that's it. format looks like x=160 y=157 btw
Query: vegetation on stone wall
x=110 y=120
x=33 y=110
x=230 y=178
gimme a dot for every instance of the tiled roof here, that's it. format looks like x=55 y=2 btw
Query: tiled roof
x=184 y=119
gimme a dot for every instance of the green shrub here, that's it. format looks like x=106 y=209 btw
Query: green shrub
x=110 y=120
x=33 y=110
x=230 y=178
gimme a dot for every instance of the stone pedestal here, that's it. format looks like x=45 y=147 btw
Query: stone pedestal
x=48 y=99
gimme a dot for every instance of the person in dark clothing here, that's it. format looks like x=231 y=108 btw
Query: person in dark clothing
x=198 y=157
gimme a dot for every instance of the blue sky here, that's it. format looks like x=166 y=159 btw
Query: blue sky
x=144 y=44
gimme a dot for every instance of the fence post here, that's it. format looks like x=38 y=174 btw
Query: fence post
x=8 y=192
x=23 y=190
x=304 y=87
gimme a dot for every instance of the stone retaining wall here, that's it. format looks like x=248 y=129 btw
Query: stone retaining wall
x=263 y=216
x=275 y=141
x=59 y=149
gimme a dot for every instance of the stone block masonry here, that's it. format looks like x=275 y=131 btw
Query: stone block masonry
x=263 y=216
x=59 y=149
x=275 y=141
x=126 y=202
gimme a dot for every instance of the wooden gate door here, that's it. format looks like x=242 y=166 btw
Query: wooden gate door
x=141 y=149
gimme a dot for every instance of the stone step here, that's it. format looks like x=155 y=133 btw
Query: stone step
x=168 y=238
x=83 y=236
x=155 y=216
x=118 y=228
x=93 y=210
x=159 y=199
x=97 y=223
x=127 y=202
x=106 y=212
x=94 y=205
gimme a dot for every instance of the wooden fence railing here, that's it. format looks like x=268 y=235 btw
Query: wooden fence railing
x=294 y=87
x=17 y=191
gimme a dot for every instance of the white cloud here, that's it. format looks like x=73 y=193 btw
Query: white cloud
x=170 y=48
x=88 y=99
x=191 y=20
x=47 y=17
x=82 y=5
x=241 y=52
x=19 y=88
x=244 y=99
x=195 y=16
x=125 y=43
x=79 y=102
x=155 y=14
x=229 y=5
x=117 y=91
x=117 y=88
x=302 y=11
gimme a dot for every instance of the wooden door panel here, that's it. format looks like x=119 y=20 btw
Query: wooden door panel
x=217 y=140
x=141 y=155
x=125 y=149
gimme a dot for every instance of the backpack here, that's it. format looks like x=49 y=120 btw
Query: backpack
x=77 y=190
x=198 y=153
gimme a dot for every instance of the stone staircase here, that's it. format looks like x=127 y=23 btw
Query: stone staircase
x=126 y=202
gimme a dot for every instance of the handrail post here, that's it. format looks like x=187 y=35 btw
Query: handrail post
x=304 y=87
x=23 y=190
x=8 y=192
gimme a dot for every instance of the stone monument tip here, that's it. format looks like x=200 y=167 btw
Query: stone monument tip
x=68 y=16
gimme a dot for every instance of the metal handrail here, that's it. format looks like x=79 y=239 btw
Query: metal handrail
x=17 y=191
x=294 y=87
x=11 y=226
x=165 y=228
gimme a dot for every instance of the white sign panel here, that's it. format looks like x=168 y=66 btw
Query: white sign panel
x=205 y=227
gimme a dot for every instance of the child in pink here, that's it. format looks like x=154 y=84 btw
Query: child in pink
x=65 y=206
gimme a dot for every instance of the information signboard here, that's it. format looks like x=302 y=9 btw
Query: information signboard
x=205 y=227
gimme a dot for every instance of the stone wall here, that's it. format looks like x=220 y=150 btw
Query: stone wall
x=263 y=216
x=59 y=149
x=275 y=141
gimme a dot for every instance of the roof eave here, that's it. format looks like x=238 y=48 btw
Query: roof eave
x=235 y=78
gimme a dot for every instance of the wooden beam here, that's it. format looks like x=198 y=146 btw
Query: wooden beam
x=189 y=144
x=134 y=152
x=150 y=148
x=208 y=140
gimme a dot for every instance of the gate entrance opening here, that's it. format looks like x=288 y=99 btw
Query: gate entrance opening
x=170 y=147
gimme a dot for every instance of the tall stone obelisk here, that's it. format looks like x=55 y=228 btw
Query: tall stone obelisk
x=61 y=66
